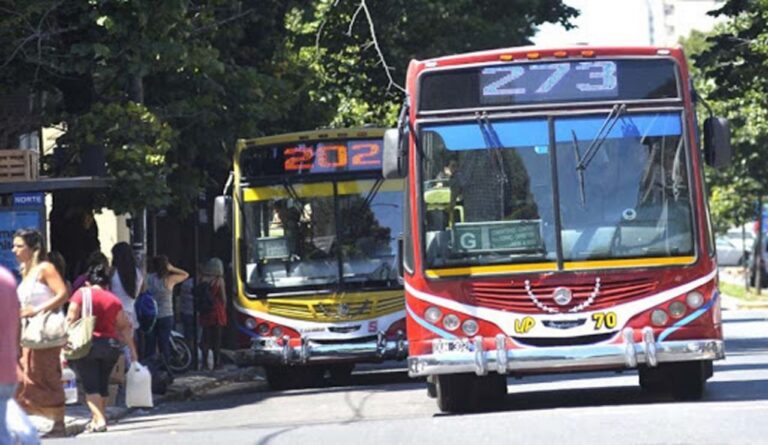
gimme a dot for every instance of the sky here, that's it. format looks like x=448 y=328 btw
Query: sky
x=627 y=22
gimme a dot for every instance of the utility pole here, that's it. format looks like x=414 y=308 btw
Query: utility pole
x=651 y=28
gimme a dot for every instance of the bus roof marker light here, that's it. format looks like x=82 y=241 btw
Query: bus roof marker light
x=587 y=53
x=663 y=52
x=506 y=57
x=534 y=56
x=561 y=54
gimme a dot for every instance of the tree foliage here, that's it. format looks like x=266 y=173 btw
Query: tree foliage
x=164 y=88
x=732 y=62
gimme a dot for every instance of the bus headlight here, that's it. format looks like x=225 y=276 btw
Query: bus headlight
x=433 y=314
x=694 y=299
x=263 y=329
x=677 y=309
x=470 y=328
x=277 y=331
x=250 y=324
x=451 y=322
x=659 y=317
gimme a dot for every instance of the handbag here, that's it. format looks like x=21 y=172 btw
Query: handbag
x=47 y=329
x=80 y=333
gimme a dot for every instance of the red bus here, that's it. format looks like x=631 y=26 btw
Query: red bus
x=557 y=220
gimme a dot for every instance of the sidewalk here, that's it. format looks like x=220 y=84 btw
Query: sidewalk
x=732 y=303
x=184 y=387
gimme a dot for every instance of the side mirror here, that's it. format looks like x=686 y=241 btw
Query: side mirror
x=395 y=156
x=222 y=213
x=717 y=142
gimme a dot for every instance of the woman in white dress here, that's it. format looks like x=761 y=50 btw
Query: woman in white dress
x=42 y=289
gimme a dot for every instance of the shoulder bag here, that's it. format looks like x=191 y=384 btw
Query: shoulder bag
x=80 y=333
x=47 y=329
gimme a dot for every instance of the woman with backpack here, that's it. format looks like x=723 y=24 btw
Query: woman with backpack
x=160 y=284
x=211 y=300
x=111 y=331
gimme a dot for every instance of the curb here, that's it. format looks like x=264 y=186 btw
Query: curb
x=184 y=388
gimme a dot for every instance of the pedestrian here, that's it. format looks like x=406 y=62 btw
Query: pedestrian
x=160 y=283
x=187 y=311
x=112 y=330
x=126 y=280
x=9 y=346
x=42 y=289
x=215 y=319
x=96 y=257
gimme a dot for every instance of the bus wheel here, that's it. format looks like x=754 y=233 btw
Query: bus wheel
x=431 y=387
x=340 y=374
x=467 y=392
x=684 y=380
x=454 y=392
x=653 y=380
x=688 y=379
x=293 y=377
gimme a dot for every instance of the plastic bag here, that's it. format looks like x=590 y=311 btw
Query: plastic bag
x=138 y=389
x=21 y=430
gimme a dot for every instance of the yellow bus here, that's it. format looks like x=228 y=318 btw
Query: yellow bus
x=315 y=253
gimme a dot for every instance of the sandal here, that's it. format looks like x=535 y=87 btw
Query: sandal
x=91 y=427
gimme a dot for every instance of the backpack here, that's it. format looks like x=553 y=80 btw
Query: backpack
x=145 y=307
x=203 y=293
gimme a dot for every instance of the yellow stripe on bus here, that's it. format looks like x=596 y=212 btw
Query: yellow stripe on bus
x=321 y=189
x=546 y=267
x=491 y=270
x=638 y=262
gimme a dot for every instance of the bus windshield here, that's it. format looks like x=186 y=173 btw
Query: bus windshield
x=314 y=235
x=490 y=195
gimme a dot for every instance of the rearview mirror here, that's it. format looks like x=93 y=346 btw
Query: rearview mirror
x=395 y=154
x=717 y=142
x=222 y=213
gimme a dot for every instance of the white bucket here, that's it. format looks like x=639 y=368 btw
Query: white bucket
x=69 y=382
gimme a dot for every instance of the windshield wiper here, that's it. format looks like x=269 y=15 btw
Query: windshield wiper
x=493 y=143
x=602 y=134
x=579 y=171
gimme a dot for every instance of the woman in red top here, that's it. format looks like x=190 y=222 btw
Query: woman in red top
x=213 y=320
x=112 y=327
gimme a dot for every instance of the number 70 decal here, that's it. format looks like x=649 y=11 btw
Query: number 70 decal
x=605 y=320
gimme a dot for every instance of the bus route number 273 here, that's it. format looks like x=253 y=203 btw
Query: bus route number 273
x=604 y=320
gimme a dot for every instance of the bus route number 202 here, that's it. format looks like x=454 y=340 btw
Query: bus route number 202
x=605 y=320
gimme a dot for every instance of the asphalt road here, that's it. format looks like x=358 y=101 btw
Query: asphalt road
x=382 y=406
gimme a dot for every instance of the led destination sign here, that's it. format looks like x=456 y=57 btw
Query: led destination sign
x=312 y=158
x=549 y=82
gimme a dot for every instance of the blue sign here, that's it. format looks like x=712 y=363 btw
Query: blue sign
x=28 y=199
x=10 y=221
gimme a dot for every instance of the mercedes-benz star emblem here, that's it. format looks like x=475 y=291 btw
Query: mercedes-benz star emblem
x=562 y=296
x=343 y=310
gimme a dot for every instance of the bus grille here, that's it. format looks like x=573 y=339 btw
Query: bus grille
x=515 y=297
x=334 y=310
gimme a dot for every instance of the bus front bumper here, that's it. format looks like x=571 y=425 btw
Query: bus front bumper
x=630 y=354
x=270 y=351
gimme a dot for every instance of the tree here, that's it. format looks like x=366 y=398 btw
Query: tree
x=733 y=62
x=162 y=89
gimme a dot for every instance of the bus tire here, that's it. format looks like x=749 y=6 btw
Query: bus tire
x=340 y=374
x=454 y=392
x=689 y=378
x=431 y=387
x=293 y=377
